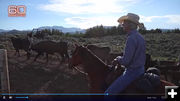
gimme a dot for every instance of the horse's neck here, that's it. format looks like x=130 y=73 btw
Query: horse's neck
x=96 y=70
x=96 y=73
x=92 y=61
x=97 y=83
x=94 y=66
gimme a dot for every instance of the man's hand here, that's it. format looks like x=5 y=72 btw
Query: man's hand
x=115 y=62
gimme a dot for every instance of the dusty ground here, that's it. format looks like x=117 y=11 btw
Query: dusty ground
x=27 y=76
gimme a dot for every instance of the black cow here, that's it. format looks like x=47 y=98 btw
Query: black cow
x=51 y=47
x=21 y=44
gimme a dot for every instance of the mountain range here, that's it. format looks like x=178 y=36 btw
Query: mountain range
x=71 y=30
x=63 y=29
x=60 y=28
x=2 y=30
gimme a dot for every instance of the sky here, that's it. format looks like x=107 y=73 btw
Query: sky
x=85 y=14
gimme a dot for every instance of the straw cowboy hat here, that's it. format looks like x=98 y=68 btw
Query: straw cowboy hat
x=131 y=17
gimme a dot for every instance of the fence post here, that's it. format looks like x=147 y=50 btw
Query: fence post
x=4 y=72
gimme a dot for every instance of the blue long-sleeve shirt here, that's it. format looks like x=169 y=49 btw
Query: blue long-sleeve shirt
x=134 y=53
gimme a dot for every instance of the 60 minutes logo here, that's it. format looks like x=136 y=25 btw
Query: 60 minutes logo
x=16 y=11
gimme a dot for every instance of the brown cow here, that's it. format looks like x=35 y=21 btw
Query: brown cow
x=51 y=47
x=101 y=52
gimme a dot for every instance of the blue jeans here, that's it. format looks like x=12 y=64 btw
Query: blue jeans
x=128 y=76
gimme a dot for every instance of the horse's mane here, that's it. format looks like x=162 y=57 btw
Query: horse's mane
x=92 y=59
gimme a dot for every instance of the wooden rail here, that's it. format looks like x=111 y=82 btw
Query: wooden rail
x=4 y=72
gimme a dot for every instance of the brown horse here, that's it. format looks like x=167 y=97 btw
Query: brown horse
x=97 y=72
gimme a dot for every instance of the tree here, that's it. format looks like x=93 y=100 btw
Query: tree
x=142 y=28
x=97 y=31
x=57 y=32
x=158 y=30
x=120 y=30
x=176 y=30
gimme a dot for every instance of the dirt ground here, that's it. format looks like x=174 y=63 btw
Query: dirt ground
x=27 y=76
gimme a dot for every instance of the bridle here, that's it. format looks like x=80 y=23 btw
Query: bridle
x=76 y=68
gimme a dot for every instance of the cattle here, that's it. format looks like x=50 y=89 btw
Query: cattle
x=40 y=35
x=101 y=52
x=21 y=44
x=30 y=38
x=37 y=34
x=51 y=47
x=166 y=66
x=167 y=63
x=30 y=35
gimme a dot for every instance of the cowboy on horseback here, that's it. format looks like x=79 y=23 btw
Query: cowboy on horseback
x=134 y=54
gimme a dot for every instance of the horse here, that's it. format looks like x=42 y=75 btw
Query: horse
x=97 y=71
x=100 y=51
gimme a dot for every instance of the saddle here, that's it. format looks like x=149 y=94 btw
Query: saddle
x=147 y=83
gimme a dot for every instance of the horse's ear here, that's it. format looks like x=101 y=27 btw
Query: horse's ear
x=76 y=45
x=85 y=45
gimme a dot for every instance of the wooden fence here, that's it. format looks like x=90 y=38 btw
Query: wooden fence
x=4 y=72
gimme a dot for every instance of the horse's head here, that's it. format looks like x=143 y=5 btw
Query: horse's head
x=76 y=58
